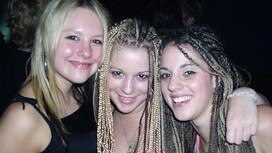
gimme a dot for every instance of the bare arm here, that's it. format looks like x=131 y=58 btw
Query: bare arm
x=242 y=115
x=263 y=139
x=19 y=130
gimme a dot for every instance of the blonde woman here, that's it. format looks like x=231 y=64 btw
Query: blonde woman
x=67 y=51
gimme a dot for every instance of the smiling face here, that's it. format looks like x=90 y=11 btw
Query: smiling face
x=128 y=79
x=187 y=89
x=80 y=46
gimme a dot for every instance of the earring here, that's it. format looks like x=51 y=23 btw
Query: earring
x=45 y=65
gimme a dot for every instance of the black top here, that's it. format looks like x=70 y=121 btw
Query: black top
x=83 y=143
x=55 y=145
x=82 y=120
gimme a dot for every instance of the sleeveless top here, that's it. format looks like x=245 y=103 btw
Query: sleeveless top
x=55 y=145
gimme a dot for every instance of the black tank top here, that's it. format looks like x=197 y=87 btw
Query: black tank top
x=55 y=145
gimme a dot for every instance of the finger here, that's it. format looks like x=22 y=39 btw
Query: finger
x=246 y=134
x=238 y=137
x=230 y=135
x=253 y=128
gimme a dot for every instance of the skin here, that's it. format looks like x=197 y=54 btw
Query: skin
x=80 y=47
x=188 y=90
x=77 y=55
x=128 y=84
x=183 y=85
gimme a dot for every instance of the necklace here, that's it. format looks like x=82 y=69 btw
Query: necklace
x=130 y=143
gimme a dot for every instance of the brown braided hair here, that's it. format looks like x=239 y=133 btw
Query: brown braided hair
x=209 y=47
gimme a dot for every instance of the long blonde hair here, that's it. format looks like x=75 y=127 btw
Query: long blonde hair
x=43 y=75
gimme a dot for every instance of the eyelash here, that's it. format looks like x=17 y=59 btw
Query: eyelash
x=143 y=76
x=72 y=37
x=118 y=74
x=164 y=76
x=98 y=42
x=95 y=41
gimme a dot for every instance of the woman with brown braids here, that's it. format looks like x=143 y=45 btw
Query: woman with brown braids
x=197 y=87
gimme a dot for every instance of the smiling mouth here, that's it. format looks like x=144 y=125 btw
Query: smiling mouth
x=81 y=65
x=126 y=99
x=182 y=99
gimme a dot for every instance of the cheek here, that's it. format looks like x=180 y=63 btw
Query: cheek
x=164 y=89
x=64 y=50
x=97 y=54
x=113 y=83
x=204 y=89
x=142 y=88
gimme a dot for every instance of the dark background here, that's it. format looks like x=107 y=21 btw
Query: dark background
x=244 y=26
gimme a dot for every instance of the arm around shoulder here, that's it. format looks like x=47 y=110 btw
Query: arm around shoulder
x=263 y=139
x=18 y=129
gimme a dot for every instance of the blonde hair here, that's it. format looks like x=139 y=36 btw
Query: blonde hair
x=43 y=75
x=131 y=33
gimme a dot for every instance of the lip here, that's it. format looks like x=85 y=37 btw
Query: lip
x=81 y=65
x=181 y=100
x=126 y=100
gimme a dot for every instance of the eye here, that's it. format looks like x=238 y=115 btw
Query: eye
x=143 y=76
x=188 y=73
x=116 y=74
x=164 y=76
x=97 y=41
x=72 y=37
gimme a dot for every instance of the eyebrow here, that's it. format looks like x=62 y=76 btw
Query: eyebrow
x=79 y=32
x=181 y=66
x=122 y=70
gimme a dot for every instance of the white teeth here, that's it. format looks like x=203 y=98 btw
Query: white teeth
x=181 y=99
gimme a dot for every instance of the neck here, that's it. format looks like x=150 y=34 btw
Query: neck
x=202 y=125
x=126 y=130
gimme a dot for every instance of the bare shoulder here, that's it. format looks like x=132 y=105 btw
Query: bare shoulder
x=263 y=138
x=19 y=126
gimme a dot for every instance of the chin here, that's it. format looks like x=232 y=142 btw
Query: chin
x=182 y=117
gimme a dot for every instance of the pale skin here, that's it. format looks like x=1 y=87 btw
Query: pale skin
x=77 y=56
x=128 y=90
x=188 y=90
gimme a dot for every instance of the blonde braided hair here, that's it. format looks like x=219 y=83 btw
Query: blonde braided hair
x=132 y=33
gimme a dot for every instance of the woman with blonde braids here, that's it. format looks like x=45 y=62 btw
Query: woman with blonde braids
x=129 y=109
x=131 y=123
x=196 y=88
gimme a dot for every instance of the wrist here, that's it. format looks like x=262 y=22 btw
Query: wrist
x=245 y=92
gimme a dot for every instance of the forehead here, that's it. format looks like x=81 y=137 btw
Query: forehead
x=174 y=54
x=134 y=58
x=84 y=19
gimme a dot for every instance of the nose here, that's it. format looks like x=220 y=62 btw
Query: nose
x=127 y=85
x=85 y=50
x=175 y=83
